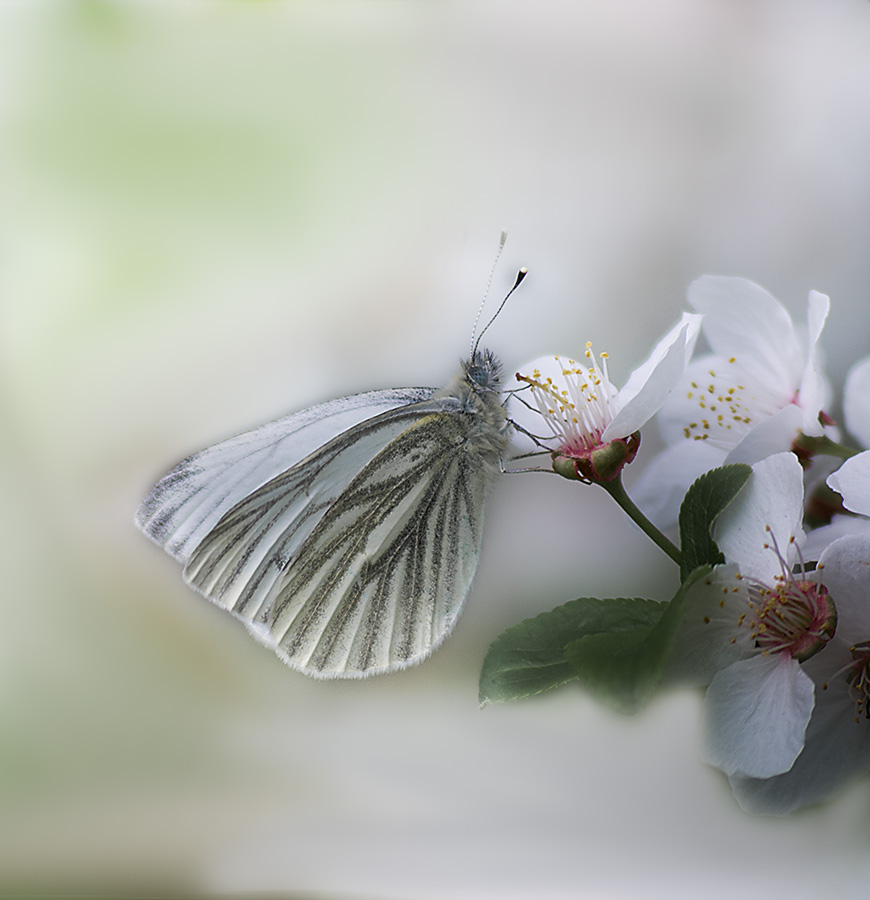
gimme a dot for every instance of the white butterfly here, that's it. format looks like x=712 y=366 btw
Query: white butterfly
x=345 y=536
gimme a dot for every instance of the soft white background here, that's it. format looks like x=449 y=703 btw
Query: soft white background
x=216 y=212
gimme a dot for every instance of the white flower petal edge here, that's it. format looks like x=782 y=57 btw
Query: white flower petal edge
x=650 y=384
x=741 y=315
x=813 y=391
x=765 y=515
x=819 y=539
x=856 y=401
x=771 y=435
x=756 y=713
x=852 y=482
x=830 y=758
x=844 y=567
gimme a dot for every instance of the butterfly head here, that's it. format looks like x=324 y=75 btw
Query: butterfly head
x=483 y=371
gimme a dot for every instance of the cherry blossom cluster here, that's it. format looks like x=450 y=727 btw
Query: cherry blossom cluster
x=768 y=500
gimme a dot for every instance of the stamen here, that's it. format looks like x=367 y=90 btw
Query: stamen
x=578 y=413
x=740 y=406
x=784 y=567
x=857 y=675
x=859 y=678
x=796 y=616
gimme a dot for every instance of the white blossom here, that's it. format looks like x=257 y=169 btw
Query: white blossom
x=751 y=625
x=837 y=740
x=760 y=387
x=581 y=411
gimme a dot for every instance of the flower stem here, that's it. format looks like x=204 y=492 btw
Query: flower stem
x=617 y=491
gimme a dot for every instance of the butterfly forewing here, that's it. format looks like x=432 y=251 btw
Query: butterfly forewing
x=186 y=504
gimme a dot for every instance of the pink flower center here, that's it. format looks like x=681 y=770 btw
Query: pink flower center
x=578 y=407
x=795 y=616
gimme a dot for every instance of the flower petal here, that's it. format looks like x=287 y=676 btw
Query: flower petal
x=682 y=407
x=820 y=538
x=660 y=489
x=710 y=637
x=765 y=514
x=844 y=569
x=774 y=434
x=742 y=319
x=856 y=401
x=756 y=713
x=814 y=388
x=852 y=482
x=649 y=385
x=836 y=749
x=530 y=419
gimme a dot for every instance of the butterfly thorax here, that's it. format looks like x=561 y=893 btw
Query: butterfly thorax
x=477 y=387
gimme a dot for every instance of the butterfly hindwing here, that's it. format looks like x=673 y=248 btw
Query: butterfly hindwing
x=382 y=578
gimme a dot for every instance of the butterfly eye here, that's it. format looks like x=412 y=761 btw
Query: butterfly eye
x=479 y=375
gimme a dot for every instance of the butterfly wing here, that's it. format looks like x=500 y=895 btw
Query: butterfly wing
x=374 y=579
x=186 y=504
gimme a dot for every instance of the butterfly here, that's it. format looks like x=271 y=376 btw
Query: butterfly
x=345 y=536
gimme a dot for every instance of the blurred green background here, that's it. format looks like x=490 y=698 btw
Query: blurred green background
x=213 y=213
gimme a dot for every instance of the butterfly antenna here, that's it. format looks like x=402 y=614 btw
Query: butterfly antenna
x=520 y=276
x=488 y=284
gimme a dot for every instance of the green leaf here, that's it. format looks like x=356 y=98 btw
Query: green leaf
x=530 y=657
x=623 y=668
x=704 y=501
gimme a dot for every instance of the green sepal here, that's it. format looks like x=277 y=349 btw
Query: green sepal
x=704 y=501
x=622 y=668
x=530 y=657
